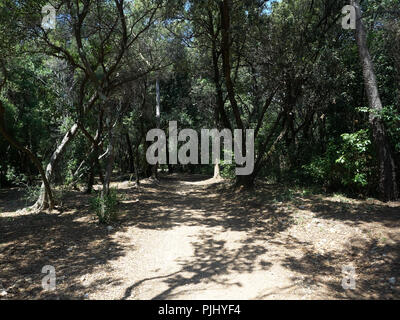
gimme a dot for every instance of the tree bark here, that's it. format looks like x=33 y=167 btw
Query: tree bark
x=130 y=154
x=225 y=11
x=217 y=75
x=109 y=168
x=388 y=189
x=42 y=202
x=90 y=182
x=158 y=123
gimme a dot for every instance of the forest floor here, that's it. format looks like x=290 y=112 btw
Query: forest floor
x=190 y=238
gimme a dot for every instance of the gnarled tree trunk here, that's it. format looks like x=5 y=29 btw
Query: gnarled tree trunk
x=43 y=201
x=387 y=170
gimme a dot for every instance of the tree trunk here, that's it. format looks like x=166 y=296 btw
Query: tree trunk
x=387 y=171
x=130 y=153
x=217 y=76
x=96 y=146
x=90 y=182
x=217 y=171
x=109 y=168
x=158 y=122
x=225 y=13
x=137 y=165
x=42 y=202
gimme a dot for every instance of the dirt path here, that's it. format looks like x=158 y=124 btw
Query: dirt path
x=185 y=239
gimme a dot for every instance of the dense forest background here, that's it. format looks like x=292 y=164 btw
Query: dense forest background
x=77 y=101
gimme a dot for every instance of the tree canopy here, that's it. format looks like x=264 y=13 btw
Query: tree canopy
x=77 y=101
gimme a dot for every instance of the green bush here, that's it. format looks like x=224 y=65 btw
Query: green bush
x=323 y=169
x=106 y=209
x=349 y=164
x=391 y=116
x=228 y=170
x=15 y=178
x=354 y=157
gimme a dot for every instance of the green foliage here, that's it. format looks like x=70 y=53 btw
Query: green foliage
x=227 y=170
x=318 y=169
x=354 y=158
x=294 y=47
x=106 y=209
x=349 y=163
x=391 y=117
x=15 y=178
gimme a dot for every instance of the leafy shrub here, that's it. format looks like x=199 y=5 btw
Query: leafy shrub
x=106 y=209
x=391 y=117
x=323 y=169
x=354 y=157
x=228 y=170
x=15 y=178
x=347 y=164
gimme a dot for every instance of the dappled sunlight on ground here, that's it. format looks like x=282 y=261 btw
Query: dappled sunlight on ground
x=190 y=237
